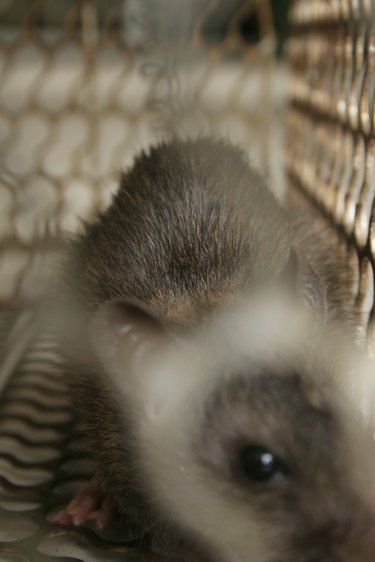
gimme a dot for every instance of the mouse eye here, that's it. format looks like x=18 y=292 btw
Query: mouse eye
x=259 y=464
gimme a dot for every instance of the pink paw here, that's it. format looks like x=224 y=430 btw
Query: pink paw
x=89 y=504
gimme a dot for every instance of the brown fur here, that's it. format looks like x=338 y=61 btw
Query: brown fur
x=192 y=225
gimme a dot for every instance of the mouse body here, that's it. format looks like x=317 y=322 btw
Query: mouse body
x=192 y=229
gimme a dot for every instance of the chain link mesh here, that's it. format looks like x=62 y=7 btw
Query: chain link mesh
x=331 y=126
x=85 y=85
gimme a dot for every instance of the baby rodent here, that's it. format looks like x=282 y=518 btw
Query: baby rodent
x=193 y=228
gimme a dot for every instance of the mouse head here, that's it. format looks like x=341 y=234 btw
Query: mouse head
x=278 y=444
x=248 y=445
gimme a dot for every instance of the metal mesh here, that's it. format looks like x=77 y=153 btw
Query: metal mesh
x=331 y=126
x=85 y=85
x=42 y=458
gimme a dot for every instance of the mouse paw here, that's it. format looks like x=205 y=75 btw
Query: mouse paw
x=89 y=505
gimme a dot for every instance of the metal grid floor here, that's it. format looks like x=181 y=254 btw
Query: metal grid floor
x=42 y=458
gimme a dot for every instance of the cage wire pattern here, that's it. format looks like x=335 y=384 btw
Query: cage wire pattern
x=331 y=128
x=42 y=458
x=78 y=98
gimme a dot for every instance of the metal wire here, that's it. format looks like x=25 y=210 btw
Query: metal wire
x=80 y=96
x=331 y=123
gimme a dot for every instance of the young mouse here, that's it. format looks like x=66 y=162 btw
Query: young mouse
x=241 y=433
x=192 y=228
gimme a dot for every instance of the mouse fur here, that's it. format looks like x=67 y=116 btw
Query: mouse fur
x=192 y=227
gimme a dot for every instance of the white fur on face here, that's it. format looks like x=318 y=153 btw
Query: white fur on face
x=184 y=492
x=167 y=392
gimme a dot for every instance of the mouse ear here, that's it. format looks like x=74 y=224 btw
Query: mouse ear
x=124 y=331
x=302 y=280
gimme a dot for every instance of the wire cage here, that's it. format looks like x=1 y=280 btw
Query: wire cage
x=331 y=129
x=84 y=85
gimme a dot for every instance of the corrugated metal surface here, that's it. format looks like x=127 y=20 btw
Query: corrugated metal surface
x=42 y=458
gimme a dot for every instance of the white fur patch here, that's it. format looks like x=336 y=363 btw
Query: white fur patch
x=167 y=391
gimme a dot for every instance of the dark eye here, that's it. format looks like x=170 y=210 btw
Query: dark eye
x=259 y=464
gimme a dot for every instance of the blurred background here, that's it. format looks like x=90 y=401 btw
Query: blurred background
x=84 y=85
